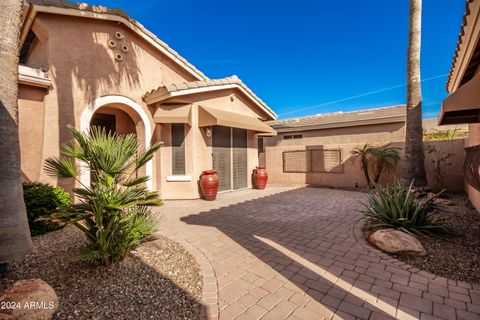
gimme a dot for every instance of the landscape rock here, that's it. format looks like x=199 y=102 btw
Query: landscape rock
x=395 y=241
x=30 y=299
x=444 y=202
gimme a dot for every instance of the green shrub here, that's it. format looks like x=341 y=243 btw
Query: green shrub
x=396 y=207
x=41 y=199
x=114 y=210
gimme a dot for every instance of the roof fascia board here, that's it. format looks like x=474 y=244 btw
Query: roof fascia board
x=142 y=32
x=393 y=119
x=465 y=53
x=27 y=23
x=153 y=98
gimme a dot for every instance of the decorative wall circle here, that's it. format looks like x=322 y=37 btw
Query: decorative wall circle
x=112 y=44
x=125 y=48
x=118 y=35
x=118 y=57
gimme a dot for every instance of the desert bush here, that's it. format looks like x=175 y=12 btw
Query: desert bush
x=396 y=207
x=42 y=199
x=114 y=210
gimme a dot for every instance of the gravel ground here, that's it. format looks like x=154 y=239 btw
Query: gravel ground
x=158 y=280
x=456 y=256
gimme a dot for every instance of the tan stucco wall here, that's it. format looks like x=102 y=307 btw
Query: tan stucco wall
x=75 y=53
x=346 y=139
x=473 y=140
x=382 y=133
x=31 y=123
x=198 y=148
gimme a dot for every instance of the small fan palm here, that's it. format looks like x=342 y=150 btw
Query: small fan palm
x=364 y=153
x=113 y=211
x=381 y=158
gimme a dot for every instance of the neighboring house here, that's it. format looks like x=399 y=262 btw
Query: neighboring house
x=316 y=149
x=86 y=65
x=463 y=105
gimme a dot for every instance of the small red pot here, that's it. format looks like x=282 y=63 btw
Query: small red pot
x=260 y=177
x=209 y=184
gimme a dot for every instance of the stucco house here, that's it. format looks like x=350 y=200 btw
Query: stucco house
x=85 y=65
x=316 y=149
x=463 y=104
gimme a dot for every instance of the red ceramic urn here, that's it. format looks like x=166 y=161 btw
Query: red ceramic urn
x=260 y=177
x=209 y=184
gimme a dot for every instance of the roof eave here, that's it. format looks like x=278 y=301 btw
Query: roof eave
x=466 y=45
x=162 y=95
x=393 y=119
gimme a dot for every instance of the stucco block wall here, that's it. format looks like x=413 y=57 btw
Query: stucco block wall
x=345 y=140
x=473 y=140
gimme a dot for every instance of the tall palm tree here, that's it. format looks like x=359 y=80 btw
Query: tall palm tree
x=15 y=238
x=414 y=167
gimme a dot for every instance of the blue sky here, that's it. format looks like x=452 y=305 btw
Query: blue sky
x=306 y=56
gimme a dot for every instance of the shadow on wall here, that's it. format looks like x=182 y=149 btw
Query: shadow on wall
x=335 y=166
x=90 y=64
x=312 y=246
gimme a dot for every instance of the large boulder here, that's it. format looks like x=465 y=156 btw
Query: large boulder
x=28 y=299
x=395 y=241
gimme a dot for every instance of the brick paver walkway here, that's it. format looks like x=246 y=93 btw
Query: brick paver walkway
x=286 y=253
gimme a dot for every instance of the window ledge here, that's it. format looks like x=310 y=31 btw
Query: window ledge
x=179 y=178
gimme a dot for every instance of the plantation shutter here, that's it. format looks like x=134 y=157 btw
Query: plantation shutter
x=178 y=149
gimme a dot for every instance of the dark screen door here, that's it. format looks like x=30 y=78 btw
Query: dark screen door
x=239 y=159
x=221 y=153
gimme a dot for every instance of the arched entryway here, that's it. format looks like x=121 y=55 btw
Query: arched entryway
x=121 y=115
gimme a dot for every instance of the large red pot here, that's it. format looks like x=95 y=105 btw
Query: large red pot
x=260 y=177
x=209 y=184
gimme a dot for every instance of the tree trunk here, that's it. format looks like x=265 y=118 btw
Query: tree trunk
x=365 y=171
x=414 y=168
x=378 y=172
x=15 y=238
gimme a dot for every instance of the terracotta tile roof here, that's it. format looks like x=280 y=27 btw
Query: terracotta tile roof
x=116 y=12
x=459 y=42
x=214 y=84
x=341 y=119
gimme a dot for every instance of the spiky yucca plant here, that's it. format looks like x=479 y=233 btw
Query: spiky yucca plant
x=396 y=207
x=113 y=211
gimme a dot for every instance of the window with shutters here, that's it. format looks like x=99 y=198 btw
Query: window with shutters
x=178 y=149
x=313 y=160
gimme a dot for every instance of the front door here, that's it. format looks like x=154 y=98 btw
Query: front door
x=229 y=151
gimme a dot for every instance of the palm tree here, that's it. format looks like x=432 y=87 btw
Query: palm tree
x=113 y=211
x=363 y=153
x=414 y=168
x=384 y=157
x=15 y=238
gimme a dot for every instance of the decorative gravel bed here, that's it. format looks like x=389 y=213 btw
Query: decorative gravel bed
x=456 y=256
x=159 y=280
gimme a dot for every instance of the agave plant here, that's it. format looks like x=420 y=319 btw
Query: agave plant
x=381 y=158
x=114 y=210
x=396 y=207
